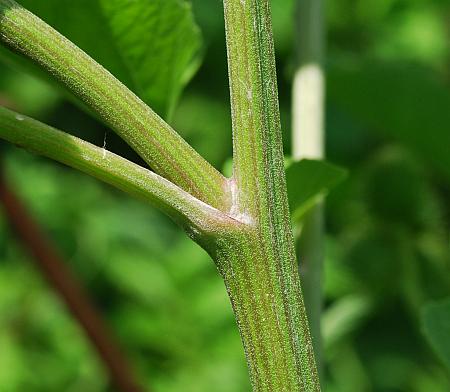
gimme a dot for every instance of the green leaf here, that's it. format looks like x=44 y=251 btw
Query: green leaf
x=436 y=327
x=308 y=181
x=152 y=46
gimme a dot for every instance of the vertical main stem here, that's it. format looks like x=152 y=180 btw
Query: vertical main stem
x=259 y=264
x=308 y=142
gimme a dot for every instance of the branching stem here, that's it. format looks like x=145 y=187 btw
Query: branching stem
x=198 y=218
x=152 y=138
x=244 y=222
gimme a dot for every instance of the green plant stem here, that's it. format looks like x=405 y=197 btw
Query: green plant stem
x=259 y=265
x=244 y=223
x=308 y=142
x=196 y=217
x=153 y=139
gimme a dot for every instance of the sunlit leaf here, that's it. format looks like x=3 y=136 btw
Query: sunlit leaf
x=150 y=45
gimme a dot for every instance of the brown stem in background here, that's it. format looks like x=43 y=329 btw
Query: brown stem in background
x=67 y=286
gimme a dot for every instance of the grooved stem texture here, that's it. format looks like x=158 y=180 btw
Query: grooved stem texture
x=200 y=220
x=152 y=138
x=245 y=224
x=259 y=268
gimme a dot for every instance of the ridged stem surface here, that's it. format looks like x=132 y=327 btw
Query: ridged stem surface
x=244 y=222
x=260 y=270
x=152 y=138
x=198 y=218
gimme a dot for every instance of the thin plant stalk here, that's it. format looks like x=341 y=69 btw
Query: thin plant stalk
x=308 y=142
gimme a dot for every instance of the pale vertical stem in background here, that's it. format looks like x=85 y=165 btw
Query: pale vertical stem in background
x=308 y=142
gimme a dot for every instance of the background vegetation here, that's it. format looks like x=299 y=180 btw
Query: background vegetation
x=387 y=244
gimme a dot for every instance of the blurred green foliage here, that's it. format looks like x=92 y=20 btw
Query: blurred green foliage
x=436 y=326
x=308 y=181
x=387 y=242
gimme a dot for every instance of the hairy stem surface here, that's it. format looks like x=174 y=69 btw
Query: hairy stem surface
x=244 y=223
x=152 y=138
x=196 y=217
x=260 y=269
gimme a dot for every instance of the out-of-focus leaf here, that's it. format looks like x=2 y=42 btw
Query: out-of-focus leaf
x=308 y=181
x=397 y=190
x=131 y=273
x=344 y=317
x=392 y=30
x=402 y=102
x=209 y=132
x=436 y=327
x=418 y=34
x=25 y=93
x=151 y=46
x=283 y=24
x=12 y=369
